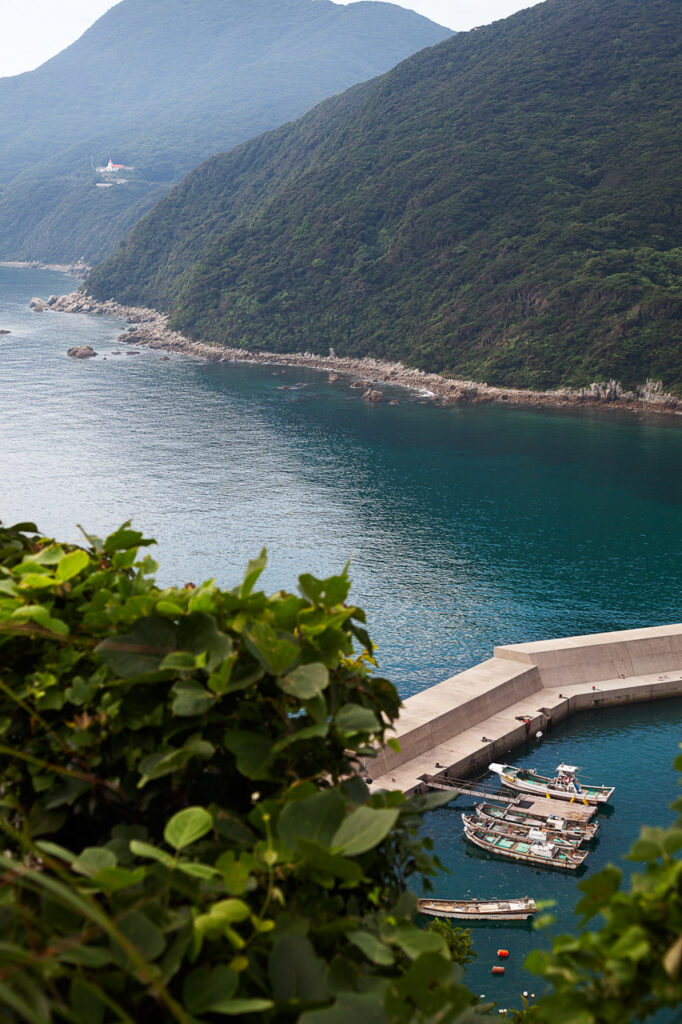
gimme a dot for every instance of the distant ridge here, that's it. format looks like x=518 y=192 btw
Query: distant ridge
x=162 y=85
x=503 y=207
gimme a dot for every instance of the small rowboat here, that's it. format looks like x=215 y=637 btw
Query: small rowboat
x=480 y=910
x=532 y=852
x=489 y=813
x=532 y=835
x=564 y=785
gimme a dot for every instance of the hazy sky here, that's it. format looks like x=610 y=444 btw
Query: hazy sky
x=34 y=30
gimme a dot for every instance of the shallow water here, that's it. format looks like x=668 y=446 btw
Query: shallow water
x=466 y=527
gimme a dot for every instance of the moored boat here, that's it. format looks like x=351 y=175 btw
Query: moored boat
x=480 y=910
x=532 y=852
x=583 y=832
x=534 y=835
x=563 y=786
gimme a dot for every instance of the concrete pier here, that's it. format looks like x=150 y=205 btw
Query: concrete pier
x=465 y=722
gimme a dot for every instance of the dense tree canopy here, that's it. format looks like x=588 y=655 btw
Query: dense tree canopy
x=503 y=207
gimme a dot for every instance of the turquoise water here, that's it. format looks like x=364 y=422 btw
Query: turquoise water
x=466 y=527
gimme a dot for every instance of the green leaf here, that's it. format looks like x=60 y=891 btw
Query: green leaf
x=295 y=970
x=115 y=879
x=306 y=681
x=308 y=732
x=142 y=849
x=190 y=698
x=194 y=870
x=38 y=613
x=141 y=650
x=277 y=651
x=70 y=565
x=92 y=860
x=363 y=1008
x=235 y=1007
x=332 y=864
x=353 y=718
x=316 y=818
x=204 y=989
x=252 y=752
x=124 y=538
x=413 y=941
x=253 y=572
x=197 y=633
x=187 y=826
x=373 y=948
x=87 y=1006
x=143 y=934
x=363 y=829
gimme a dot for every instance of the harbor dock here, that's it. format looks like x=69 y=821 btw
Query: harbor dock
x=461 y=725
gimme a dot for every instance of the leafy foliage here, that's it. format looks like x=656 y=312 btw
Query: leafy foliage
x=162 y=85
x=503 y=206
x=184 y=834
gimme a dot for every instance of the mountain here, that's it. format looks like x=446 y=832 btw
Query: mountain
x=161 y=85
x=503 y=207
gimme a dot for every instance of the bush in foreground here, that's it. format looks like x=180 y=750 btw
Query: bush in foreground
x=185 y=836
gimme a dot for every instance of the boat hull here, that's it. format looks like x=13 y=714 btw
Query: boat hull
x=479 y=910
x=517 y=819
x=540 y=786
x=560 y=861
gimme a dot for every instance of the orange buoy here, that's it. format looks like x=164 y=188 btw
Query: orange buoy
x=503 y=953
x=498 y=970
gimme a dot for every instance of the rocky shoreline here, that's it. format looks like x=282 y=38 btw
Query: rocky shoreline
x=152 y=331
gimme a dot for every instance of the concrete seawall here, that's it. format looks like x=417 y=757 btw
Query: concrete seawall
x=465 y=722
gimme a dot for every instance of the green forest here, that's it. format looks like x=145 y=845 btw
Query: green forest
x=161 y=85
x=502 y=207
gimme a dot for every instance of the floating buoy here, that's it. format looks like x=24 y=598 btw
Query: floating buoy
x=503 y=953
x=498 y=970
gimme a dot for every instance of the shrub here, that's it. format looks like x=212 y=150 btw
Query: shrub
x=186 y=835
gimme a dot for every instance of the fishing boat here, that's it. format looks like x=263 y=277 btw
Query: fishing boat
x=564 y=785
x=480 y=910
x=583 y=832
x=530 y=851
x=535 y=835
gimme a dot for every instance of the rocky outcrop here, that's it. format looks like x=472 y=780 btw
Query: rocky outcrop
x=38 y=305
x=5 y=332
x=150 y=328
x=373 y=395
x=81 y=352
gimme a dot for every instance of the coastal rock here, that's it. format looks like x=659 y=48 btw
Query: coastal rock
x=81 y=352
x=150 y=329
x=333 y=377
x=5 y=332
x=373 y=395
x=38 y=305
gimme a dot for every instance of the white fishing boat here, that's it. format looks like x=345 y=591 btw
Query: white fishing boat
x=480 y=910
x=531 y=851
x=563 y=786
x=490 y=813
x=533 y=834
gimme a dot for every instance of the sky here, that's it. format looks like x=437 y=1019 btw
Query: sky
x=35 y=30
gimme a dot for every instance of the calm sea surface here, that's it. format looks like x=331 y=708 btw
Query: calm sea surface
x=466 y=528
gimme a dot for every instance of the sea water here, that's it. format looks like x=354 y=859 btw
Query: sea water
x=464 y=527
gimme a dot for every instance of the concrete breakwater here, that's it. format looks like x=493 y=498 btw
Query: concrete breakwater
x=463 y=724
x=152 y=330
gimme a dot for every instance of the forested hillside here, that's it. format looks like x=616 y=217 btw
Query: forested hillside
x=161 y=85
x=504 y=206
